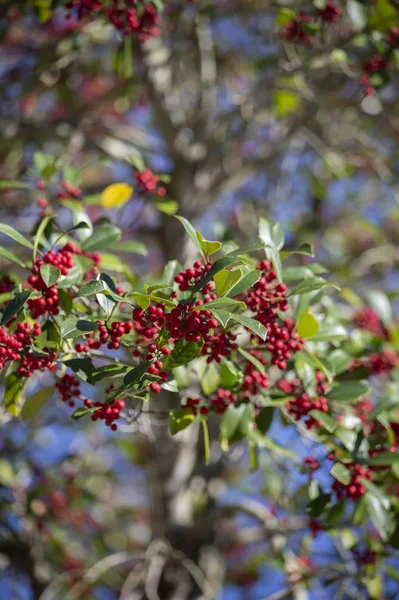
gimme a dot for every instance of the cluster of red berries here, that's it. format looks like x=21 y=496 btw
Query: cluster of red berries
x=311 y=463
x=354 y=489
x=109 y=412
x=221 y=400
x=219 y=403
x=383 y=362
x=366 y=318
x=6 y=284
x=300 y=29
x=219 y=345
x=9 y=347
x=302 y=405
x=154 y=356
x=142 y=20
x=148 y=182
x=69 y=192
x=184 y=322
x=68 y=387
x=254 y=379
x=190 y=277
x=31 y=363
x=266 y=298
x=147 y=323
x=331 y=13
x=48 y=302
x=297 y=30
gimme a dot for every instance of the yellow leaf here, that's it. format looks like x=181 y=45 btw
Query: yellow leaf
x=307 y=326
x=116 y=194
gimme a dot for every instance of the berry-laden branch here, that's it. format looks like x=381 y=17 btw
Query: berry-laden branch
x=252 y=329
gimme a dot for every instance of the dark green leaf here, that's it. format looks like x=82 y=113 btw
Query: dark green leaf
x=136 y=374
x=251 y=324
x=179 y=419
x=15 y=305
x=107 y=371
x=352 y=390
x=102 y=237
x=83 y=367
x=236 y=421
x=12 y=395
x=183 y=353
x=327 y=421
x=190 y=232
x=50 y=274
x=341 y=473
x=82 y=412
x=245 y=282
x=221 y=263
x=318 y=506
x=310 y=285
x=65 y=301
x=265 y=419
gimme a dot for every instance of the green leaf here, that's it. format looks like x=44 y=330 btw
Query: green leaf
x=327 y=421
x=271 y=234
x=207 y=445
x=92 y=288
x=12 y=395
x=336 y=512
x=83 y=367
x=167 y=206
x=265 y=419
x=221 y=263
x=15 y=305
x=190 y=232
x=229 y=375
x=183 y=353
x=82 y=412
x=244 y=283
x=209 y=377
x=179 y=419
x=9 y=184
x=39 y=233
x=207 y=246
x=225 y=280
x=8 y=255
x=135 y=375
x=15 y=235
x=73 y=327
x=236 y=421
x=251 y=324
x=222 y=316
x=252 y=359
x=330 y=333
x=34 y=403
x=131 y=246
x=379 y=515
x=341 y=473
x=310 y=285
x=106 y=371
x=296 y=273
x=7 y=476
x=339 y=360
x=102 y=237
x=380 y=303
x=266 y=442
x=307 y=326
x=44 y=163
x=142 y=300
x=318 y=506
x=65 y=301
x=383 y=16
x=384 y=459
x=351 y=390
x=221 y=303
x=50 y=274
x=305 y=249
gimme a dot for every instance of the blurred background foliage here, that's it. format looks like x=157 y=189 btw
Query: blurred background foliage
x=245 y=125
